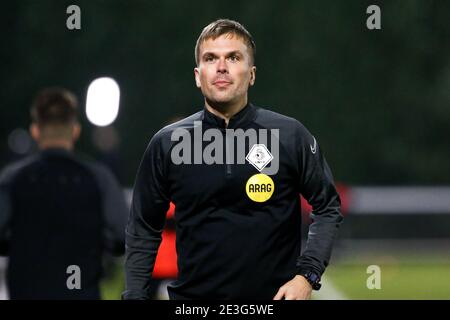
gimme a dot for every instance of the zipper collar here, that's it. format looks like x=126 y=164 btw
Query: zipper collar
x=239 y=120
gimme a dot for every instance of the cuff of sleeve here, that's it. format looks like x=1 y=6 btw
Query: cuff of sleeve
x=303 y=270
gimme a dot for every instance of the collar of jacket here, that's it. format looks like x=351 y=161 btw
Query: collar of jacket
x=239 y=120
x=55 y=151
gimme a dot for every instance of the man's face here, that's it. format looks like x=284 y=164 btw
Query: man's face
x=225 y=70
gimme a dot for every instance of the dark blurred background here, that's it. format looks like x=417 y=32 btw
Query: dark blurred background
x=378 y=101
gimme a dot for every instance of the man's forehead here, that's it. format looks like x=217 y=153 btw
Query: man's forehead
x=224 y=43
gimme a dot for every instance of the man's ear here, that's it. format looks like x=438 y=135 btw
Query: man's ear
x=197 y=77
x=76 y=132
x=35 y=132
x=252 y=75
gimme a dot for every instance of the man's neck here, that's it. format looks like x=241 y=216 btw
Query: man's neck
x=56 y=144
x=225 y=111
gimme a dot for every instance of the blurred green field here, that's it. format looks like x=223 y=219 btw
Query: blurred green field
x=113 y=283
x=402 y=277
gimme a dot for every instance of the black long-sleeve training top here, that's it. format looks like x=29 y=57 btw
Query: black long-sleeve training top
x=238 y=223
x=58 y=210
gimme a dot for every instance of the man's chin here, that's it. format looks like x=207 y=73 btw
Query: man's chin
x=220 y=101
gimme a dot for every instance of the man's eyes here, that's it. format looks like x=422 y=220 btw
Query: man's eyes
x=233 y=58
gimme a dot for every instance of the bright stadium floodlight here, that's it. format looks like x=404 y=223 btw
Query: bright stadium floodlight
x=102 y=102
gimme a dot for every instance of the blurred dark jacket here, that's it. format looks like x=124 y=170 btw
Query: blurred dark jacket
x=57 y=211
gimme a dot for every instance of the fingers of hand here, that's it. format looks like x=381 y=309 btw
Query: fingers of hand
x=292 y=294
x=280 y=294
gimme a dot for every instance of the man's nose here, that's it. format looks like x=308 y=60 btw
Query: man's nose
x=222 y=66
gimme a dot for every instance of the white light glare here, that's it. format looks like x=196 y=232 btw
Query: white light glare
x=102 y=103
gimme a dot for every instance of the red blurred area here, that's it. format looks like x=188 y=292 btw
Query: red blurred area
x=166 y=260
x=344 y=193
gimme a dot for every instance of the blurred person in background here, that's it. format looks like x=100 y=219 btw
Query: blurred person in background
x=59 y=213
x=233 y=242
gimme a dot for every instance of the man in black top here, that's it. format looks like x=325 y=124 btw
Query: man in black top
x=58 y=213
x=234 y=172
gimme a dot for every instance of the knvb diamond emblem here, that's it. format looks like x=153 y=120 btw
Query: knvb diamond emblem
x=259 y=156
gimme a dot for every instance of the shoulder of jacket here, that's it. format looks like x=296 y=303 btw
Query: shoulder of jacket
x=10 y=171
x=269 y=118
x=185 y=123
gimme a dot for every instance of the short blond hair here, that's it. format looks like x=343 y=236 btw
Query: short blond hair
x=225 y=26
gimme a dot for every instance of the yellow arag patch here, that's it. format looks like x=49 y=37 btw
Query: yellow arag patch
x=260 y=187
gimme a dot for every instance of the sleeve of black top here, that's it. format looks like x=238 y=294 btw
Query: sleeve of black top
x=5 y=210
x=115 y=210
x=317 y=187
x=150 y=203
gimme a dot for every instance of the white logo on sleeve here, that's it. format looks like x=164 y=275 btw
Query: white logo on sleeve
x=314 y=149
x=259 y=156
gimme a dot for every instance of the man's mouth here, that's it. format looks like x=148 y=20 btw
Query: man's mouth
x=221 y=83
